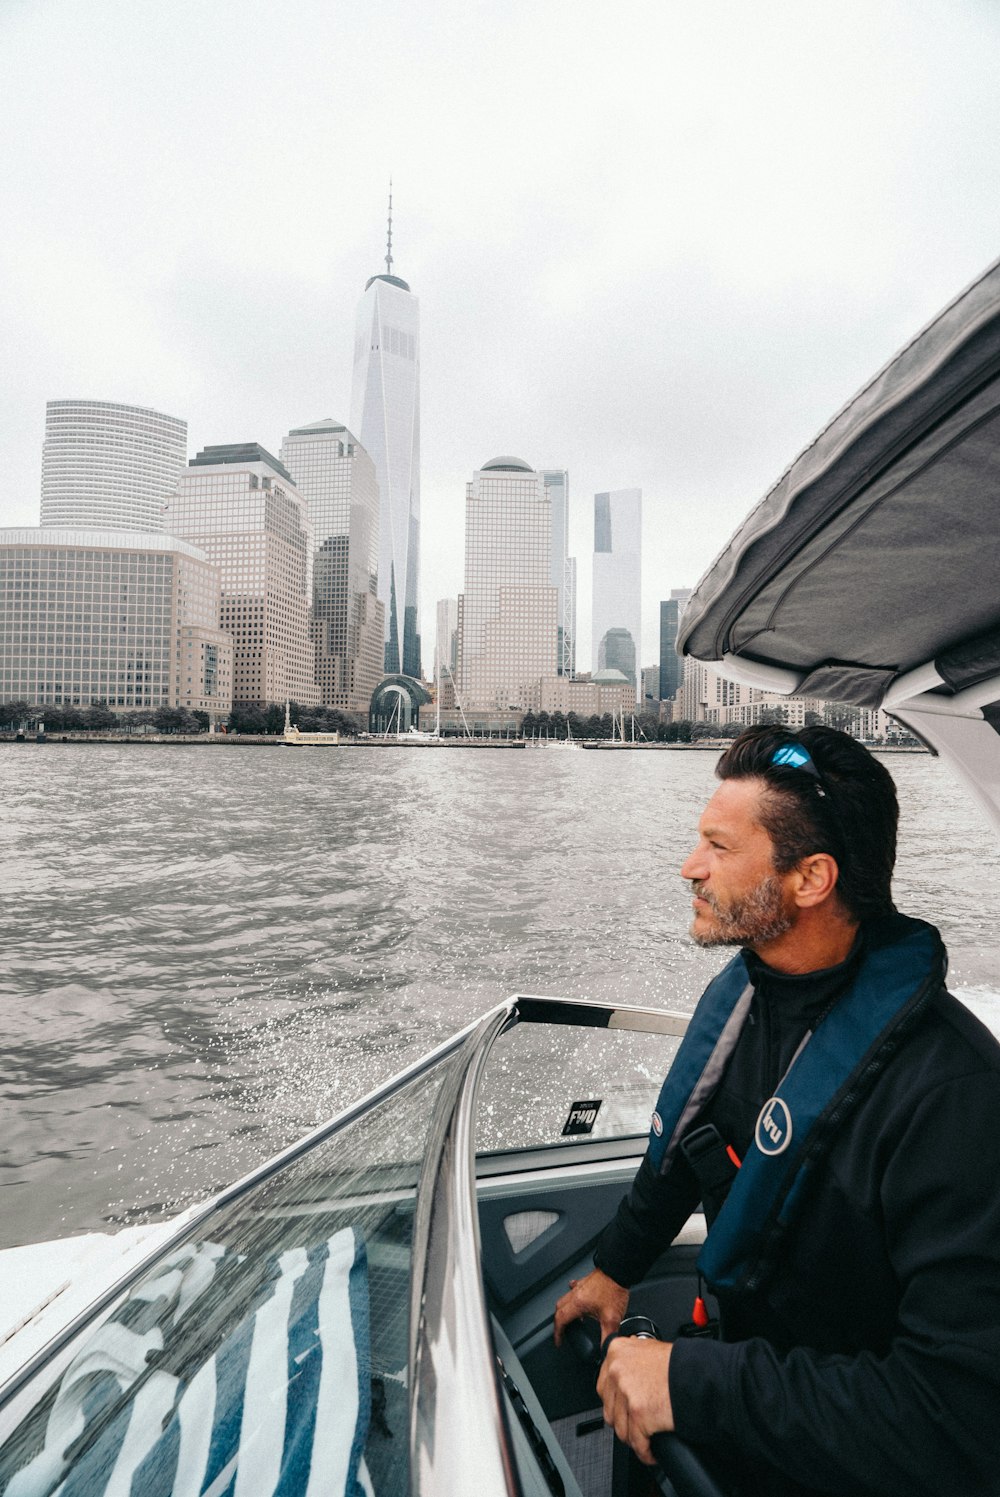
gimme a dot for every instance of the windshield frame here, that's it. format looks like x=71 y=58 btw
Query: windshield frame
x=453 y=1375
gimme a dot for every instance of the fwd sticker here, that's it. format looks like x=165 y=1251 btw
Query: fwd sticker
x=582 y=1117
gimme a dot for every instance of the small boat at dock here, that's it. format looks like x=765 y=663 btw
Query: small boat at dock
x=295 y=738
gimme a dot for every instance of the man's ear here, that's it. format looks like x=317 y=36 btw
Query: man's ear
x=815 y=879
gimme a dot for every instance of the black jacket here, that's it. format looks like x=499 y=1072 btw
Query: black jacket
x=869 y=1362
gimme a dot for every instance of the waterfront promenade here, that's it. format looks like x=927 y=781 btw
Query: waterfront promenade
x=403 y=740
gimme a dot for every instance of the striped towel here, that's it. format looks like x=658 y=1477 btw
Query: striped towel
x=215 y=1379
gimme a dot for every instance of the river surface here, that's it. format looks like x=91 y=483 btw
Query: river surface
x=209 y=950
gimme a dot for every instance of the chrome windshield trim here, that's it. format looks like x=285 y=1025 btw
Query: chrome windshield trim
x=532 y=1009
x=565 y=1154
x=195 y=1216
x=490 y=1187
x=459 y=1441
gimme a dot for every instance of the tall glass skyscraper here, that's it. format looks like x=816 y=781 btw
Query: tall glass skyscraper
x=108 y=465
x=385 y=414
x=563 y=569
x=670 y=667
x=336 y=478
x=617 y=597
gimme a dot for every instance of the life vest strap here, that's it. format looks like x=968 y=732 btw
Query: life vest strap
x=710 y=1159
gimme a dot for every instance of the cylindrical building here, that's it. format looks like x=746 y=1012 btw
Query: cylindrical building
x=109 y=465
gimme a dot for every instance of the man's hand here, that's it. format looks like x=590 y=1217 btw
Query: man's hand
x=596 y=1295
x=635 y=1391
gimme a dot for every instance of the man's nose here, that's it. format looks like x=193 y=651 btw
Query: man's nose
x=693 y=866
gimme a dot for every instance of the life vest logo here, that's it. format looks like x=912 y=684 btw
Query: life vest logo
x=656 y=1123
x=773 y=1133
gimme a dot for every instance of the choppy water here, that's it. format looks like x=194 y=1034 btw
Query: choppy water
x=209 y=950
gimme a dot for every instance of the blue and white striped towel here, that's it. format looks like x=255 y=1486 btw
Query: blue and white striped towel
x=278 y=1407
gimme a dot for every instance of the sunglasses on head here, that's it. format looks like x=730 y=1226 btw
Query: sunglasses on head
x=794 y=756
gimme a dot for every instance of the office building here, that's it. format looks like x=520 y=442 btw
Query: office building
x=507 y=612
x=240 y=506
x=670 y=667
x=563 y=569
x=109 y=466
x=336 y=478
x=591 y=696
x=708 y=696
x=704 y=695
x=617 y=652
x=446 y=650
x=617 y=592
x=123 y=617
x=385 y=414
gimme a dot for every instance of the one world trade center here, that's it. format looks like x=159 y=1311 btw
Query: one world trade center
x=385 y=417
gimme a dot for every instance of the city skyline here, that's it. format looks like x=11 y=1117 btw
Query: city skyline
x=297 y=605
x=638 y=305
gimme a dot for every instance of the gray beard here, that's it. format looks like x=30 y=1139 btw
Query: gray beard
x=754 y=920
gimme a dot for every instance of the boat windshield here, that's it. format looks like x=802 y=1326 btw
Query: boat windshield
x=553 y=1083
x=265 y=1351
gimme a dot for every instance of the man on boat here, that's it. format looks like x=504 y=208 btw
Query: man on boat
x=838 y=1114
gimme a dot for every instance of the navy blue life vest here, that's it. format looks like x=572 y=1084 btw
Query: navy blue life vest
x=903 y=964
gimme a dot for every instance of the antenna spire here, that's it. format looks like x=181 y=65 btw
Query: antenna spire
x=388 y=243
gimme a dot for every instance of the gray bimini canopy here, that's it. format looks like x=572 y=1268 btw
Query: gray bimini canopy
x=871 y=571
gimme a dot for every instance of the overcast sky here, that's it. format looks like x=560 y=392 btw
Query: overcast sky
x=657 y=244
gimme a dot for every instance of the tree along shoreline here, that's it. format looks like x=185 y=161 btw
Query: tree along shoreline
x=646 y=727
x=101 y=718
x=100 y=722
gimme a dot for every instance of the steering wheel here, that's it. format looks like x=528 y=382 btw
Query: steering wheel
x=683 y=1465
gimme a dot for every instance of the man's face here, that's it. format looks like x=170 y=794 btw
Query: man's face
x=739 y=898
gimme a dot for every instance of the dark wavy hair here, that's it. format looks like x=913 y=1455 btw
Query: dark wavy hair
x=855 y=820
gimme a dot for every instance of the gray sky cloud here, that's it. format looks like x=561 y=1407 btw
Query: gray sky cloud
x=657 y=244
